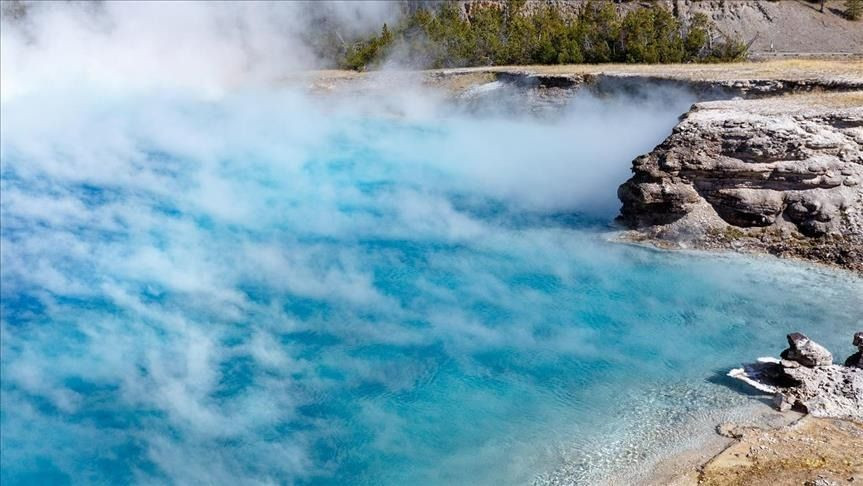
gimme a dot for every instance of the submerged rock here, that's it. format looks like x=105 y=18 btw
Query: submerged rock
x=806 y=380
x=806 y=352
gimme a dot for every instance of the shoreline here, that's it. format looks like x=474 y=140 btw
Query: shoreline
x=634 y=238
x=681 y=466
x=684 y=447
x=789 y=449
x=812 y=436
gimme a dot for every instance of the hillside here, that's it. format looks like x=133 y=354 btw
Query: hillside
x=775 y=27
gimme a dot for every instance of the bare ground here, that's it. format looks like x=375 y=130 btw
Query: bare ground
x=836 y=71
x=807 y=451
x=794 y=451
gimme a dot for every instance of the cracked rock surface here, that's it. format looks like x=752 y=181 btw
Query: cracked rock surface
x=782 y=175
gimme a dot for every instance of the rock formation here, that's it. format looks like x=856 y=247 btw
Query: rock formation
x=779 y=175
x=856 y=359
x=803 y=350
x=805 y=379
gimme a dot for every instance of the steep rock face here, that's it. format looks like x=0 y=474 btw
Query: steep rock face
x=783 y=175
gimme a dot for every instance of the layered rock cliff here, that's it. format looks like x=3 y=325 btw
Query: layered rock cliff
x=782 y=175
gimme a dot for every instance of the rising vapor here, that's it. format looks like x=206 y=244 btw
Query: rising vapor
x=211 y=276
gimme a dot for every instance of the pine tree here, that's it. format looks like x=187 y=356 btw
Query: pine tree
x=854 y=9
x=697 y=36
x=447 y=36
x=386 y=36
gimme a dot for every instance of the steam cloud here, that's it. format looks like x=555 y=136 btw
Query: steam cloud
x=211 y=46
x=181 y=236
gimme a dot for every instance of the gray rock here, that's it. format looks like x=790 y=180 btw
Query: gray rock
x=820 y=482
x=817 y=387
x=826 y=391
x=806 y=351
x=770 y=175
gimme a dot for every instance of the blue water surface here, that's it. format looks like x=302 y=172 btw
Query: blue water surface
x=265 y=288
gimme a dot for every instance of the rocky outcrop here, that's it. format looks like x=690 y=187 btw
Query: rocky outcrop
x=805 y=379
x=824 y=391
x=783 y=175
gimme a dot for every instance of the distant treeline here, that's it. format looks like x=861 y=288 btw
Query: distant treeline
x=508 y=33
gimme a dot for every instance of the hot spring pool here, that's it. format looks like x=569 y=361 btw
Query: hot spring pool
x=264 y=288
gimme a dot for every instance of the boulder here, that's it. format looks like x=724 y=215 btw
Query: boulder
x=806 y=351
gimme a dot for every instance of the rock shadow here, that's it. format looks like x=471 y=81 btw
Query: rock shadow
x=720 y=377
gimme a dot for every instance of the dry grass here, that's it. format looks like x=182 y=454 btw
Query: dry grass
x=790 y=69
x=772 y=69
x=832 y=100
x=458 y=79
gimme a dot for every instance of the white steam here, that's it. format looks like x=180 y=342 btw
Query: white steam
x=210 y=46
x=152 y=172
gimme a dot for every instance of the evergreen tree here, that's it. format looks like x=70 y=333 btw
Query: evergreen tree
x=854 y=9
x=446 y=36
x=697 y=38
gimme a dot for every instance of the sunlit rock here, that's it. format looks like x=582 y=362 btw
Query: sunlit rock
x=806 y=380
x=806 y=352
x=781 y=176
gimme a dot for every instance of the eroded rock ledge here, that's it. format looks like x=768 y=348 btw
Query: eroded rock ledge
x=782 y=175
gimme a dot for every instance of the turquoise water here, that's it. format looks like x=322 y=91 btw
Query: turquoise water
x=265 y=288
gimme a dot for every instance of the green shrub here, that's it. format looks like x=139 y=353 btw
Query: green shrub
x=697 y=37
x=367 y=52
x=509 y=34
x=854 y=9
